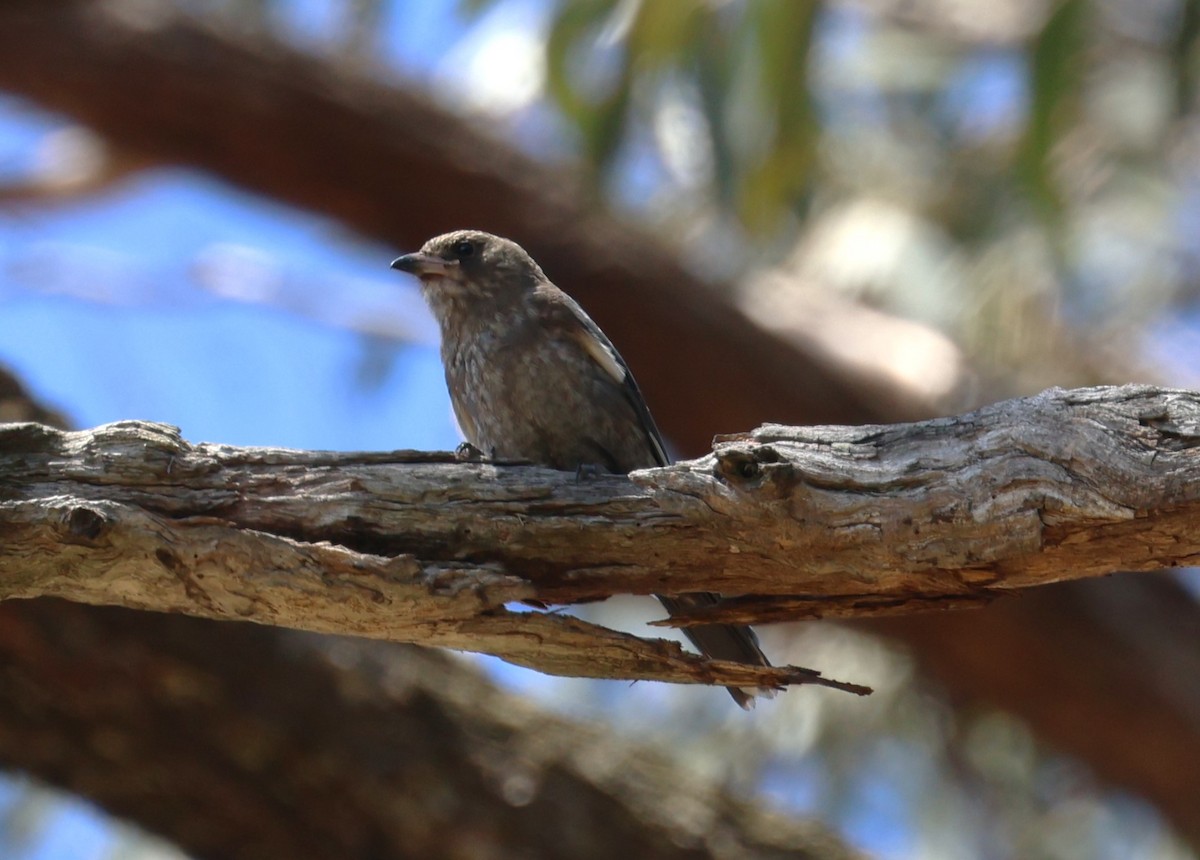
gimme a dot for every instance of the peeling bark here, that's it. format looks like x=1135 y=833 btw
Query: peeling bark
x=243 y=741
x=418 y=547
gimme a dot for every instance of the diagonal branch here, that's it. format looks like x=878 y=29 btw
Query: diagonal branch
x=418 y=547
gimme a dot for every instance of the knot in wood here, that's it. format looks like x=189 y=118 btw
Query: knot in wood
x=85 y=524
x=758 y=469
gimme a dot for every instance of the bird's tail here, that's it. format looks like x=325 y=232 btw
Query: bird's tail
x=722 y=642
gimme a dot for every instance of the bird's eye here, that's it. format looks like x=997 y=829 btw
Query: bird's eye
x=463 y=249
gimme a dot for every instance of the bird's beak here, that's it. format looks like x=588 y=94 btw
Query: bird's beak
x=424 y=265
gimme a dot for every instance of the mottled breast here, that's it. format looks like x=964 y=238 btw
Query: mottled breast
x=523 y=391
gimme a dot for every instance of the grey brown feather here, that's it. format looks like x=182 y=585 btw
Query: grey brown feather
x=532 y=377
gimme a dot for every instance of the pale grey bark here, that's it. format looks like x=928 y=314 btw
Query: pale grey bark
x=419 y=547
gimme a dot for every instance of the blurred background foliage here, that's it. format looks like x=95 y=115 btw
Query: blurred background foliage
x=1021 y=175
x=1013 y=175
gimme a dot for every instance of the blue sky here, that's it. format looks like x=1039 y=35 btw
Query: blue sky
x=176 y=298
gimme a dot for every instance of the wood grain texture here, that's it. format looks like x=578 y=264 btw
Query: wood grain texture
x=418 y=547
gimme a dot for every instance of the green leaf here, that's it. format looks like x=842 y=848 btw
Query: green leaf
x=573 y=31
x=1184 y=57
x=1055 y=74
x=474 y=8
x=664 y=31
x=783 y=34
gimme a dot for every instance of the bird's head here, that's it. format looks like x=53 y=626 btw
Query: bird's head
x=472 y=266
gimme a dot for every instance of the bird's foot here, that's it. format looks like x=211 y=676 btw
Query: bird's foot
x=468 y=453
x=587 y=472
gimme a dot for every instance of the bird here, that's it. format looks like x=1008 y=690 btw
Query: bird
x=532 y=377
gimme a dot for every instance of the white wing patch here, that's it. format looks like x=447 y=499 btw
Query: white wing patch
x=603 y=356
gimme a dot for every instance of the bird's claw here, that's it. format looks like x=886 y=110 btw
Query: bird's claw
x=587 y=472
x=468 y=453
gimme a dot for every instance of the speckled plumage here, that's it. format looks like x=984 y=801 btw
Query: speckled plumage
x=531 y=377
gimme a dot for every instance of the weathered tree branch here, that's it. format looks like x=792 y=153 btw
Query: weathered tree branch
x=130 y=514
x=418 y=547
x=268 y=725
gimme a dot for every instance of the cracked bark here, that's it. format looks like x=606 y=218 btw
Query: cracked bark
x=418 y=547
x=227 y=738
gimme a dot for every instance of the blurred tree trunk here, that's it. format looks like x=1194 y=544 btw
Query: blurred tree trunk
x=241 y=741
x=390 y=164
x=1070 y=652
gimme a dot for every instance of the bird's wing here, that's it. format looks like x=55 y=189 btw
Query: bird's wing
x=558 y=311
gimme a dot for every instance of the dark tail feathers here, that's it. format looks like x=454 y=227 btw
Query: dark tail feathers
x=721 y=641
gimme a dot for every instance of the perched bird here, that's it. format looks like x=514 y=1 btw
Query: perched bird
x=531 y=377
